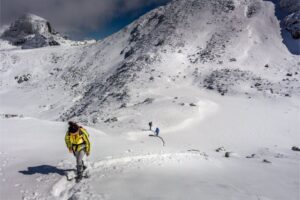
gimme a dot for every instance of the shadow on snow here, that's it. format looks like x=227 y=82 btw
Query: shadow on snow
x=45 y=169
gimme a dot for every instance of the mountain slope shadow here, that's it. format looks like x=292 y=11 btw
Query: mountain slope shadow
x=45 y=169
x=287 y=39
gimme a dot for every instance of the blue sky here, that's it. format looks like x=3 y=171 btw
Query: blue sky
x=119 y=22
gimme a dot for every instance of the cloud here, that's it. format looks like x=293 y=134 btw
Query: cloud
x=73 y=15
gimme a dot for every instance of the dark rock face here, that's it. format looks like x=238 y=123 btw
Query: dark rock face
x=292 y=20
x=31 y=31
x=225 y=80
x=266 y=161
x=227 y=154
x=23 y=78
x=148 y=101
x=8 y=116
x=292 y=24
x=53 y=43
x=129 y=53
x=253 y=8
x=111 y=120
x=290 y=5
x=251 y=156
x=294 y=148
x=220 y=149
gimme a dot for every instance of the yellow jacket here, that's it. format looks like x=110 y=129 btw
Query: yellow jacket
x=79 y=140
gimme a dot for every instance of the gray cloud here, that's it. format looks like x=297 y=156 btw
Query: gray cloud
x=72 y=15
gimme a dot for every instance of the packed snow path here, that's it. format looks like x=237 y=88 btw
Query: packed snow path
x=184 y=175
x=110 y=168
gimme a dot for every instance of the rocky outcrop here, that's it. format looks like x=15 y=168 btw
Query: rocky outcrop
x=292 y=24
x=290 y=5
x=31 y=31
x=292 y=20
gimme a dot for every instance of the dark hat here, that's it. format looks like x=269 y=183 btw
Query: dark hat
x=73 y=127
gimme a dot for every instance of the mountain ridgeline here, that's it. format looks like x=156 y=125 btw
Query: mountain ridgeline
x=228 y=47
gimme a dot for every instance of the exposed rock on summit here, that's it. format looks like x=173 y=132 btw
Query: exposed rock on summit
x=31 y=31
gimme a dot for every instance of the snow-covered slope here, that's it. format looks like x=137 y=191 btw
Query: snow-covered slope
x=230 y=47
x=258 y=134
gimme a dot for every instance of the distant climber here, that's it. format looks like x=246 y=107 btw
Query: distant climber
x=77 y=141
x=156 y=135
x=150 y=126
x=156 y=131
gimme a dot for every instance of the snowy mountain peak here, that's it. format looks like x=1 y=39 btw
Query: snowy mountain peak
x=216 y=44
x=31 y=18
x=36 y=24
x=32 y=31
x=233 y=48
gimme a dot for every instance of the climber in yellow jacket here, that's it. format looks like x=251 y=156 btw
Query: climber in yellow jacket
x=77 y=141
